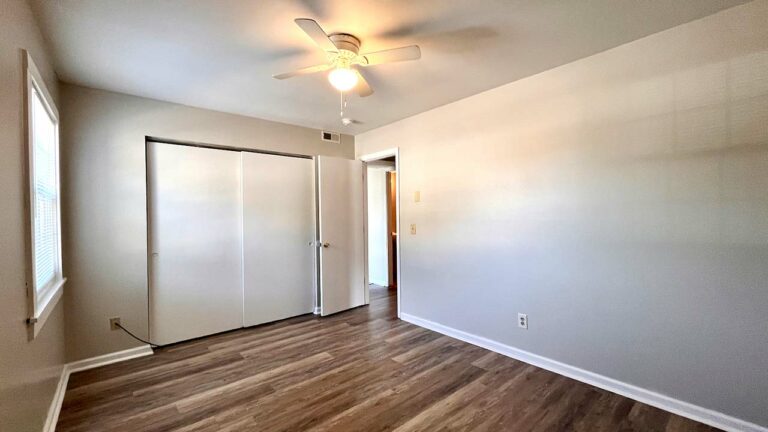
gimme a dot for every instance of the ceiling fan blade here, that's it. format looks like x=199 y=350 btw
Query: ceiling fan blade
x=303 y=71
x=412 y=52
x=363 y=89
x=314 y=31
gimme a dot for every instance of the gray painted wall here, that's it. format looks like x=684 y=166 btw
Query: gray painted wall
x=621 y=201
x=104 y=188
x=29 y=370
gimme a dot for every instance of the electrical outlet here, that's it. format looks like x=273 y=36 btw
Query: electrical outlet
x=113 y=323
x=522 y=321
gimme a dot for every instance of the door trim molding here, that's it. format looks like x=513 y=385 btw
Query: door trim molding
x=394 y=151
x=649 y=397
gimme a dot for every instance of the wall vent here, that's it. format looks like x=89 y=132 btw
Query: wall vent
x=330 y=136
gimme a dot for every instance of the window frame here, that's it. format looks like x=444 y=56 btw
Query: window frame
x=43 y=301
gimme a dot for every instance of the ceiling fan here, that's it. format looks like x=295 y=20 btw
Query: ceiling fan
x=344 y=57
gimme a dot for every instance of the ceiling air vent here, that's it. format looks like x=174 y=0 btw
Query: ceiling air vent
x=329 y=136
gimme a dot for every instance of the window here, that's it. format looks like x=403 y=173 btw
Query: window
x=46 y=279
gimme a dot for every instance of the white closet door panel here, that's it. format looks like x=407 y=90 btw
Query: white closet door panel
x=342 y=278
x=278 y=227
x=195 y=241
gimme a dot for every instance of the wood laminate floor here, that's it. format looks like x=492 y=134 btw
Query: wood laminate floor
x=361 y=370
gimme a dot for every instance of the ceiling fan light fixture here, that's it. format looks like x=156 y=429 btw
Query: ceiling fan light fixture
x=344 y=60
x=343 y=78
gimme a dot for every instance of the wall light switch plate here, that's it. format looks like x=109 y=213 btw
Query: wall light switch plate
x=522 y=321
x=417 y=196
x=413 y=229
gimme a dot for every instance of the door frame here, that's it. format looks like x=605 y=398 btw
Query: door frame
x=371 y=157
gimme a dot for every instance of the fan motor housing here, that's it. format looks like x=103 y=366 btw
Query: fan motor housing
x=346 y=42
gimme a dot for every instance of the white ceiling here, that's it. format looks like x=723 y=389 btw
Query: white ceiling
x=220 y=55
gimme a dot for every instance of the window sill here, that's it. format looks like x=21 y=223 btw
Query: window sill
x=44 y=310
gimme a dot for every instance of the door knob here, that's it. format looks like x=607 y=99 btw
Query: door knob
x=326 y=244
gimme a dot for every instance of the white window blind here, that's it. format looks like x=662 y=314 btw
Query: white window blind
x=45 y=187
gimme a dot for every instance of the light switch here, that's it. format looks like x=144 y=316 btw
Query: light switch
x=413 y=229
x=417 y=196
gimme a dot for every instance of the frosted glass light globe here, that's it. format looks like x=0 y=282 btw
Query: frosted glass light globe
x=343 y=79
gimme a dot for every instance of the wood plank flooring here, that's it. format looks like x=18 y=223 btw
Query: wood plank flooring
x=361 y=370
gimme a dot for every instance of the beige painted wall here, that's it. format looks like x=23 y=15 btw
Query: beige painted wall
x=621 y=201
x=105 y=231
x=29 y=370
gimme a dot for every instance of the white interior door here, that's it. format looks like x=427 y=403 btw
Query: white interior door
x=195 y=239
x=278 y=237
x=342 y=255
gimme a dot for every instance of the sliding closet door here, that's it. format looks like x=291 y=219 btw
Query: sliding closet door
x=195 y=241
x=278 y=233
x=342 y=264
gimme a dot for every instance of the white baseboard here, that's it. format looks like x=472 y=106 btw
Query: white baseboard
x=81 y=365
x=379 y=283
x=58 y=399
x=676 y=406
x=317 y=310
x=110 y=358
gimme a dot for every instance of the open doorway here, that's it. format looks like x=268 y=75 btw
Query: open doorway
x=382 y=245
